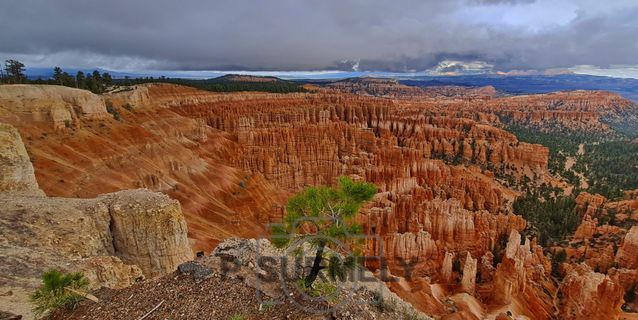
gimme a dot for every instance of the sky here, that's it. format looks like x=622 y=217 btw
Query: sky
x=324 y=36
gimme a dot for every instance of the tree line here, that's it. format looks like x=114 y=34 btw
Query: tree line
x=96 y=82
x=222 y=85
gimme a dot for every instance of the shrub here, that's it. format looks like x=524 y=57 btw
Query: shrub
x=266 y=306
x=112 y=110
x=320 y=289
x=557 y=259
x=383 y=304
x=54 y=294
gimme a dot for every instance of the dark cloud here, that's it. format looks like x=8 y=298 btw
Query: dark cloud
x=406 y=35
x=513 y=2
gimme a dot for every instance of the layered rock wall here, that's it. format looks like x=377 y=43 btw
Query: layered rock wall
x=57 y=106
x=115 y=239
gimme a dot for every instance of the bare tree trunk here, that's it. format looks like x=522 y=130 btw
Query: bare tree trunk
x=316 y=266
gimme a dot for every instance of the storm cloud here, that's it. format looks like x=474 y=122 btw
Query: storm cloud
x=370 y=35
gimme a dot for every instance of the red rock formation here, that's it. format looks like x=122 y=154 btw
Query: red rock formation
x=376 y=87
x=232 y=159
x=151 y=147
x=627 y=279
x=575 y=110
x=468 y=282
x=587 y=228
x=385 y=87
x=521 y=279
x=596 y=244
x=627 y=256
x=590 y=204
x=486 y=268
x=580 y=110
x=589 y=295
x=446 y=268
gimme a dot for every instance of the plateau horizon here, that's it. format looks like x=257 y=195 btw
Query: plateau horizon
x=623 y=72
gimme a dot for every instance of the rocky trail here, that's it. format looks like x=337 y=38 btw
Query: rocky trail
x=569 y=164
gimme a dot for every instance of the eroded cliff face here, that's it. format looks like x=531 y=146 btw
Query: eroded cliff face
x=232 y=159
x=385 y=87
x=590 y=111
x=16 y=171
x=115 y=239
x=228 y=157
x=584 y=111
x=56 y=106
x=375 y=87
x=153 y=148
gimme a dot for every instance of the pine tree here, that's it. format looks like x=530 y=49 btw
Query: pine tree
x=14 y=71
x=68 y=80
x=107 y=79
x=80 y=80
x=98 y=84
x=319 y=215
x=91 y=84
x=58 y=76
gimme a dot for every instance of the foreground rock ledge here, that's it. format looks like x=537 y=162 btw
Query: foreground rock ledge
x=116 y=239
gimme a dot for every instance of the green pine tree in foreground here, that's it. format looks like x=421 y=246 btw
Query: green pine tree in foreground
x=322 y=216
x=58 y=290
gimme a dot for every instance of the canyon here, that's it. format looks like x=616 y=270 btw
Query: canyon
x=198 y=167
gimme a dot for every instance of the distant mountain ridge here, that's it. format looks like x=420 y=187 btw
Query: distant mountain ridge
x=534 y=84
x=246 y=78
x=389 y=87
x=522 y=84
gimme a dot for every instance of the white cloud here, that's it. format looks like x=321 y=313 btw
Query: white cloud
x=617 y=71
x=456 y=67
